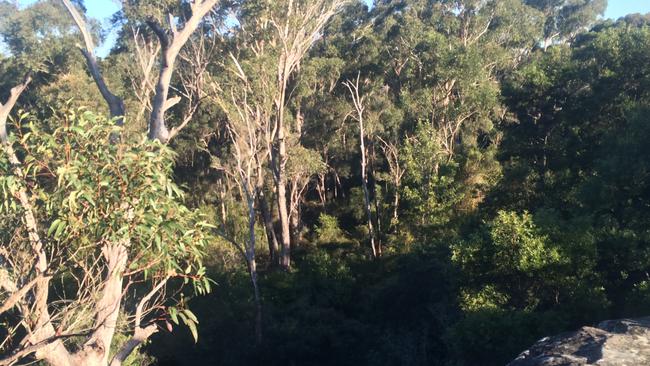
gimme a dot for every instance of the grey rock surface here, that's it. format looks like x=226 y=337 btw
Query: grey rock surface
x=624 y=342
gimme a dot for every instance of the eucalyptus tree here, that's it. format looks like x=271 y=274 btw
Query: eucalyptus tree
x=87 y=226
x=247 y=154
x=171 y=40
x=273 y=39
x=565 y=19
x=441 y=63
x=96 y=242
x=359 y=116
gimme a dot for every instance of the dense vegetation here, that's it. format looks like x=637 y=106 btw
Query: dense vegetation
x=420 y=182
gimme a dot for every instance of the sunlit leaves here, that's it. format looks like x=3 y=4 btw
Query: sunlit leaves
x=89 y=192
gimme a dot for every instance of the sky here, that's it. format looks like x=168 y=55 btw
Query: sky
x=103 y=9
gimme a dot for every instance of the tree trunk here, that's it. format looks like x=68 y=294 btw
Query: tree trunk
x=294 y=212
x=157 y=128
x=396 y=205
x=321 y=189
x=280 y=163
x=252 y=268
x=376 y=200
x=366 y=196
x=268 y=226
x=97 y=349
x=285 y=233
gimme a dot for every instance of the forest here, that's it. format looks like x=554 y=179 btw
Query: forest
x=319 y=182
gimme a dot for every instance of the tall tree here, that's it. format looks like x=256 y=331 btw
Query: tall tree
x=565 y=19
x=171 y=43
x=359 y=110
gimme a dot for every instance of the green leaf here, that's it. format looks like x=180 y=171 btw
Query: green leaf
x=191 y=315
x=53 y=226
x=173 y=314
x=193 y=330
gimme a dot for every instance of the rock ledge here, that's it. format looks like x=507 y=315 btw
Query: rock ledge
x=624 y=342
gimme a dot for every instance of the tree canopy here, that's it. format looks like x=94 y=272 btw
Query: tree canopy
x=419 y=182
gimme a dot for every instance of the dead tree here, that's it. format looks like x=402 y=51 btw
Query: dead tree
x=358 y=115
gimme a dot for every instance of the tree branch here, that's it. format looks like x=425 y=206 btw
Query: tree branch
x=6 y=108
x=170 y=50
x=115 y=104
x=140 y=334
x=17 y=295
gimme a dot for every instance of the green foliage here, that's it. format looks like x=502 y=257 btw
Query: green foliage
x=519 y=171
x=430 y=190
x=495 y=337
x=38 y=37
x=328 y=230
x=93 y=191
x=518 y=244
x=91 y=195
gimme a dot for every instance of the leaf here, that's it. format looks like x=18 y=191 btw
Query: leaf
x=59 y=229
x=193 y=330
x=53 y=226
x=191 y=315
x=173 y=314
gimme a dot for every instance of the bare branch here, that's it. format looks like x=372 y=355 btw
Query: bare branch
x=115 y=104
x=140 y=334
x=6 y=108
x=170 y=50
x=17 y=295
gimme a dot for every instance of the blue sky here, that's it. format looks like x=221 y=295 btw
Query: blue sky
x=103 y=9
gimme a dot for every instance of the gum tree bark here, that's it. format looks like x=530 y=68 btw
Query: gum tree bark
x=171 y=46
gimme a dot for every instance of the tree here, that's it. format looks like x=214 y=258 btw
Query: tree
x=114 y=243
x=170 y=48
x=296 y=32
x=272 y=42
x=565 y=19
x=359 y=109
x=245 y=120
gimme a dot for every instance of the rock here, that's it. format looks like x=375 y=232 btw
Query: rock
x=612 y=343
